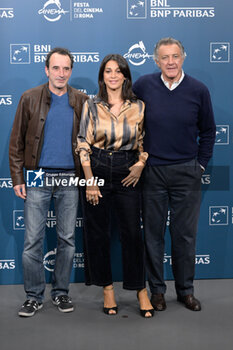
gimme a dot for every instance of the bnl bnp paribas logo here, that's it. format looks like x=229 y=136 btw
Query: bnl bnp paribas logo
x=5 y=100
x=218 y=215
x=7 y=264
x=52 y=10
x=200 y=259
x=18 y=220
x=222 y=135
x=6 y=12
x=6 y=182
x=219 y=52
x=137 y=54
x=20 y=54
x=137 y=9
x=51 y=222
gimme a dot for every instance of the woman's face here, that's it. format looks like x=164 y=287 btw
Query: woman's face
x=113 y=77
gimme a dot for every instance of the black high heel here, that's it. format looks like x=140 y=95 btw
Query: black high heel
x=144 y=312
x=107 y=310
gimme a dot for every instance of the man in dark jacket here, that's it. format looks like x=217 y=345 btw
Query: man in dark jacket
x=179 y=137
x=43 y=142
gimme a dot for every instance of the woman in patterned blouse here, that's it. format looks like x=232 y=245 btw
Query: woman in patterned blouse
x=110 y=145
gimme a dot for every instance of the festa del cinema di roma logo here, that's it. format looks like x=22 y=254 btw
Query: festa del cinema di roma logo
x=52 y=10
x=137 y=54
x=50 y=258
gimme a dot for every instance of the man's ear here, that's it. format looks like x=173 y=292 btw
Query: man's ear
x=46 y=71
x=157 y=62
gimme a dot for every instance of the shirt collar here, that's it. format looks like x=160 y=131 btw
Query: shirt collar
x=175 y=84
x=97 y=100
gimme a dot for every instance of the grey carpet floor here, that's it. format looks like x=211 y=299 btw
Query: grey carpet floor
x=89 y=328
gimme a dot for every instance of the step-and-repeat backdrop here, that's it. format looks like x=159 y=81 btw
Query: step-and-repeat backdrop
x=91 y=30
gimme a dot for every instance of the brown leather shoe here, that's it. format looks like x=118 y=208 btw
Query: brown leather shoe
x=158 y=302
x=190 y=302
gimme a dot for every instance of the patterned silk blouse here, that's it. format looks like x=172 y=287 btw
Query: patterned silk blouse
x=102 y=129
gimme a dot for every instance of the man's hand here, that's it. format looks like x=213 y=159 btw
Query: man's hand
x=20 y=191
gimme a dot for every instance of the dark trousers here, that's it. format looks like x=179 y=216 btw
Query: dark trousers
x=176 y=187
x=113 y=167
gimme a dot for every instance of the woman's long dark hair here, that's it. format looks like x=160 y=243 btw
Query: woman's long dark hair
x=127 y=92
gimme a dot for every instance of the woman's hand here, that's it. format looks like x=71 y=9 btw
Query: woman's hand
x=134 y=175
x=93 y=194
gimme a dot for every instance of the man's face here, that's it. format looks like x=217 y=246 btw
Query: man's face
x=59 y=73
x=170 y=61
